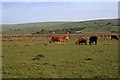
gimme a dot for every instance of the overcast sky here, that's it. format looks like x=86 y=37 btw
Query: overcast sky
x=26 y=12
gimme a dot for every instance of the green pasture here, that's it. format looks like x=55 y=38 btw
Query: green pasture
x=21 y=59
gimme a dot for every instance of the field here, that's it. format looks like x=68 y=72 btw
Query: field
x=37 y=58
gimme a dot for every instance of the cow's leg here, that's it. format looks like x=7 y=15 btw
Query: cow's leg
x=95 y=42
x=59 y=42
x=90 y=42
x=85 y=43
x=111 y=38
x=116 y=38
x=67 y=40
x=80 y=43
x=54 y=42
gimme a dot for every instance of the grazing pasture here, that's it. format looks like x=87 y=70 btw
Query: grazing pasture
x=38 y=58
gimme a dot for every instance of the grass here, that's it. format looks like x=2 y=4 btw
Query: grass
x=65 y=60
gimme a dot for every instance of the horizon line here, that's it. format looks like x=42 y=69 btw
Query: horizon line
x=56 y=21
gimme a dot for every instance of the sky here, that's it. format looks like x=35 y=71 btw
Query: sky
x=27 y=12
x=59 y=0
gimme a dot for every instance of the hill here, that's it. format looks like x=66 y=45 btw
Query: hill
x=84 y=26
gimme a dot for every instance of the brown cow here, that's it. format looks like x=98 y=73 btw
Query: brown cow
x=55 y=39
x=65 y=37
x=81 y=41
x=59 y=38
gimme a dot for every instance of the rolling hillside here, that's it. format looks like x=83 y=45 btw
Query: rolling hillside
x=84 y=26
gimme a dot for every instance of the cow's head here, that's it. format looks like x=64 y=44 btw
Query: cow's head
x=50 y=41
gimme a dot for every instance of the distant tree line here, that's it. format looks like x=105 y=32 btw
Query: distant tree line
x=59 y=31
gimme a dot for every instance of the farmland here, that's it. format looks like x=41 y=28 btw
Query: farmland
x=26 y=55
x=28 y=58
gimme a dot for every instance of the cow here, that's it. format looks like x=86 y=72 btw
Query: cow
x=93 y=40
x=55 y=39
x=59 y=38
x=65 y=37
x=114 y=37
x=81 y=40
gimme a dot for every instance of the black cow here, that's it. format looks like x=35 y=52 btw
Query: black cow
x=114 y=37
x=93 y=39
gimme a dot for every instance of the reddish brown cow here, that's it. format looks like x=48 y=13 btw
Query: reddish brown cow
x=81 y=41
x=55 y=39
x=65 y=37
x=59 y=38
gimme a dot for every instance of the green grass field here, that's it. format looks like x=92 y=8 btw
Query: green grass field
x=66 y=60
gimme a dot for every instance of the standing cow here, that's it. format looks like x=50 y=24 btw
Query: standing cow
x=114 y=37
x=81 y=41
x=93 y=40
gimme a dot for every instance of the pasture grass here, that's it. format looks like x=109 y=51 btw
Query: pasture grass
x=64 y=60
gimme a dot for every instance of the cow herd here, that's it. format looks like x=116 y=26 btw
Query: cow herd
x=81 y=40
x=92 y=40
